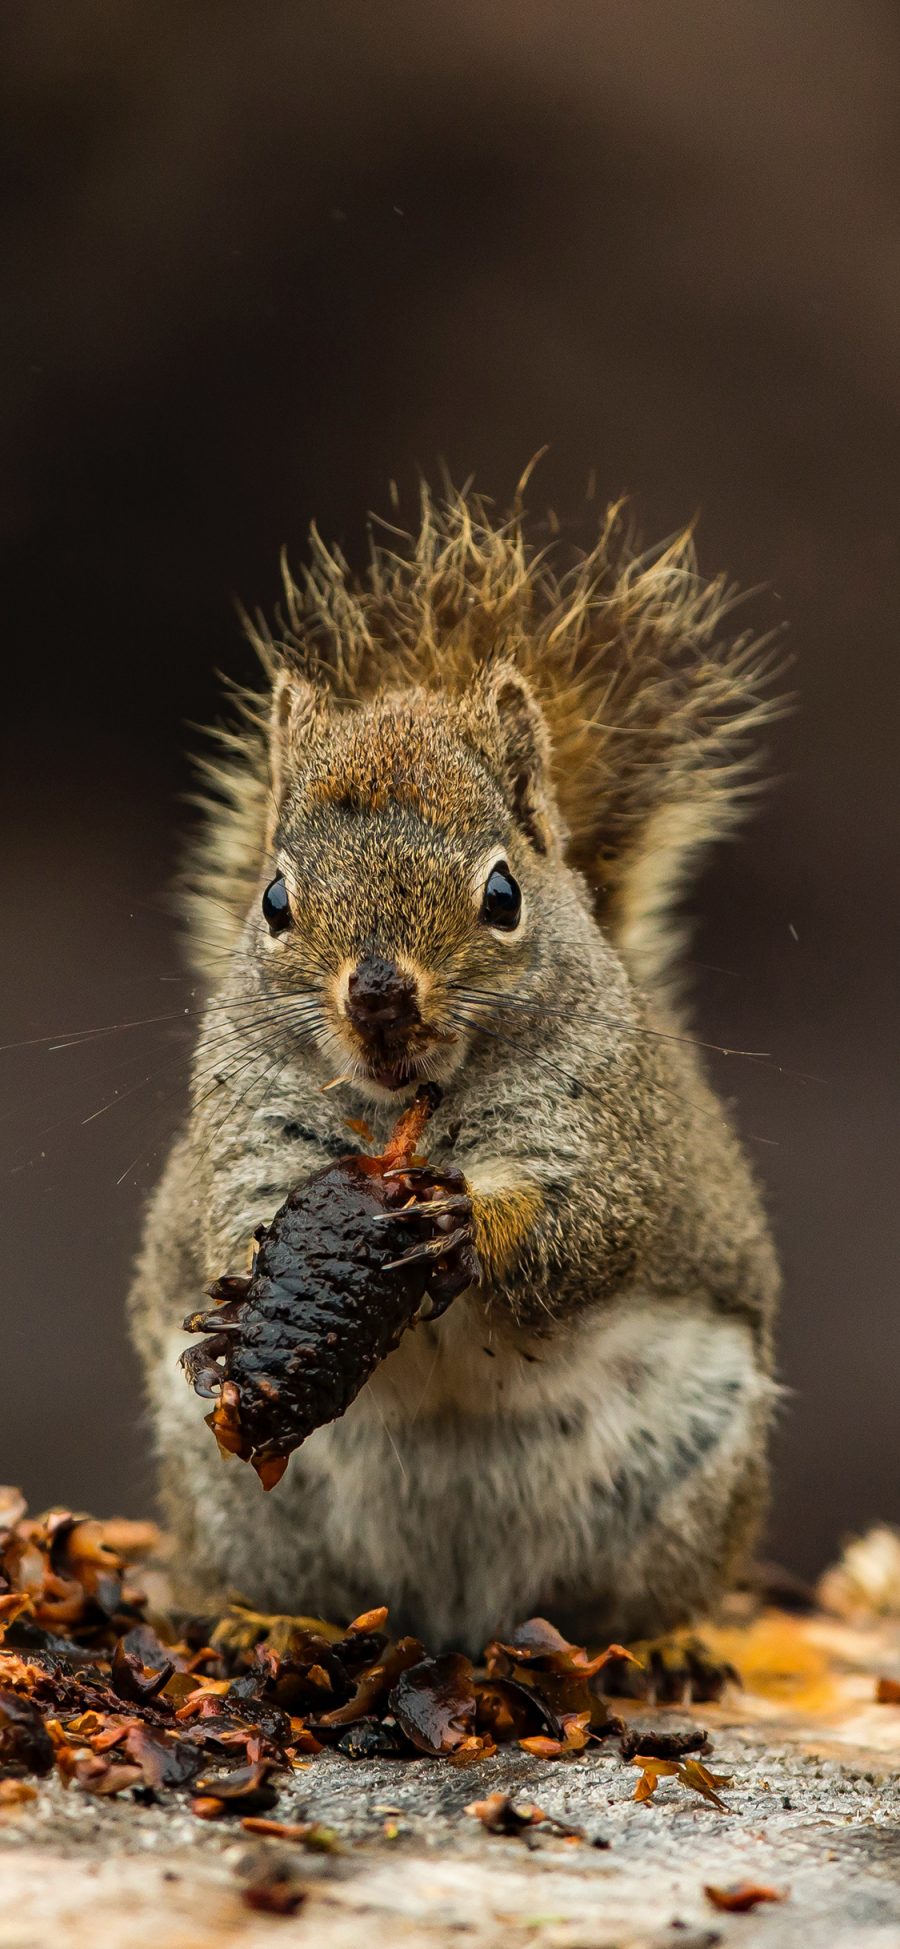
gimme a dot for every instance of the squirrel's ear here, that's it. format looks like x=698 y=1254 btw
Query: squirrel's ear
x=298 y=707
x=517 y=731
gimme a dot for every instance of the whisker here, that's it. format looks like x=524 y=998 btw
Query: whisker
x=579 y=1082
x=382 y=1418
x=234 y=1066
x=252 y=1024
x=676 y=1096
x=493 y=998
x=72 y=1037
x=75 y=1038
x=763 y=1057
x=271 y=1069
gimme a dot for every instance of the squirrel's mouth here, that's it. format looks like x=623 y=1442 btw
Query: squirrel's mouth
x=386 y=1065
x=394 y=1075
x=388 y=1021
x=395 y=1067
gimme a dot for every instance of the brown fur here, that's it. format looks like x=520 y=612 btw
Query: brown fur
x=652 y=704
x=586 y=1431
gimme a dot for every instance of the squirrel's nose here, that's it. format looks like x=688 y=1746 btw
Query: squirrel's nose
x=381 y=999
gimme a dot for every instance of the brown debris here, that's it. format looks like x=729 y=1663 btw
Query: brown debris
x=691 y=1773
x=500 y=1814
x=96 y=1774
x=25 y=1744
x=375 y=1682
x=166 y=1759
x=562 y=1682
x=62 y=1574
x=367 y=1621
x=538 y=1643
x=310 y=1834
x=135 y=1681
x=434 y=1704
x=217 y=1712
x=576 y=1731
x=662 y=1744
x=242 y=1790
x=741 y=1896
x=507 y=1709
x=275 y=1890
x=887 y=1691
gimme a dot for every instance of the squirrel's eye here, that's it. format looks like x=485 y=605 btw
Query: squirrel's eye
x=276 y=909
x=502 y=904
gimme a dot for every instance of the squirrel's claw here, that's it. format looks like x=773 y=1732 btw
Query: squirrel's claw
x=461 y=1269
x=429 y=1175
x=201 y=1369
x=433 y=1208
x=232 y=1286
x=442 y=1197
x=430 y=1248
x=454 y=1264
x=221 y=1319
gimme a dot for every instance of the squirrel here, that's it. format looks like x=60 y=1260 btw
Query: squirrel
x=447 y=841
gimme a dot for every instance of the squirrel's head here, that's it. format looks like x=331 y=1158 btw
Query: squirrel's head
x=411 y=839
x=457 y=746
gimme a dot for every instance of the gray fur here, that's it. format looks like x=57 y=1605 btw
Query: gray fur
x=585 y=1433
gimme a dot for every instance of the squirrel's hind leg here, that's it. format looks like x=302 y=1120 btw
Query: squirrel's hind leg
x=672 y=1466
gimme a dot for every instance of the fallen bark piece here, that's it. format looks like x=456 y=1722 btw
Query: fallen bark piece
x=662 y=1744
x=63 y=1581
x=374 y=1684
x=509 y=1710
x=106 y=1777
x=135 y=1681
x=741 y=1896
x=887 y=1691
x=338 y=1277
x=164 y=1759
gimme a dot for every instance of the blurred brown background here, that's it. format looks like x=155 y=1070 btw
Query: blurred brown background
x=260 y=259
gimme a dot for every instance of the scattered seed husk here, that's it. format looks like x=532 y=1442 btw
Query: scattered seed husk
x=691 y=1773
x=221 y=1709
x=501 y=1814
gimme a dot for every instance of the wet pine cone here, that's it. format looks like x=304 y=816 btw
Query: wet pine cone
x=339 y=1275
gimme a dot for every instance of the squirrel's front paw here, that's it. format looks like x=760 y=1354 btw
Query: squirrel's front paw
x=440 y=1211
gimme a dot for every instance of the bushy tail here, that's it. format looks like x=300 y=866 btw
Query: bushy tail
x=654 y=703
